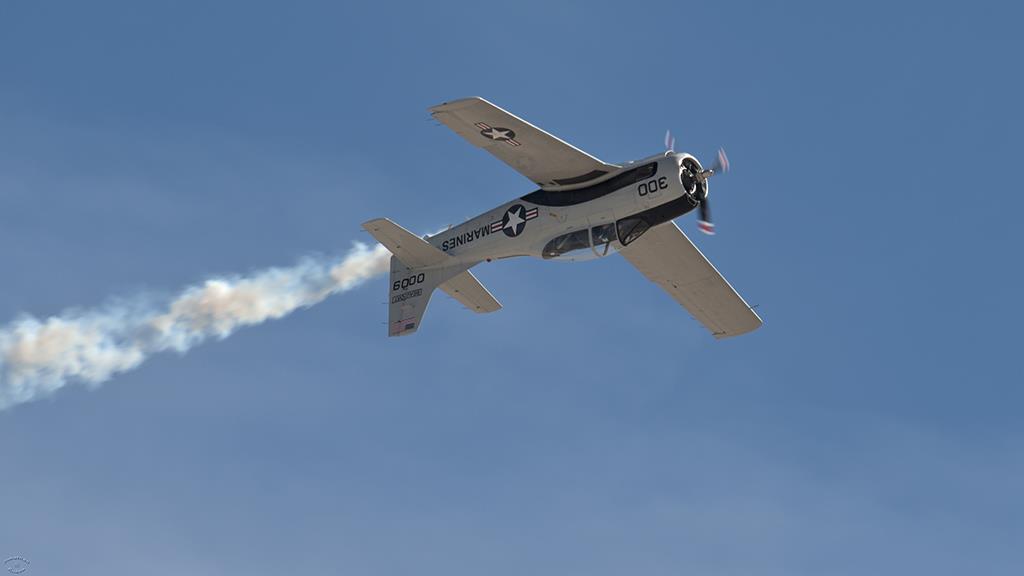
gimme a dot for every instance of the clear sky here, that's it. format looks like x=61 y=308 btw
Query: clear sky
x=871 y=426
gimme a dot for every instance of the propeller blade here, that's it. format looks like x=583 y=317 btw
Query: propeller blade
x=670 y=141
x=704 y=222
x=721 y=163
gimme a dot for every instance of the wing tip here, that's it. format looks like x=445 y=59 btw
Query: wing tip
x=450 y=104
x=374 y=225
x=742 y=330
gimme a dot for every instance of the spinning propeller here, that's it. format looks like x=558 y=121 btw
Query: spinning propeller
x=720 y=165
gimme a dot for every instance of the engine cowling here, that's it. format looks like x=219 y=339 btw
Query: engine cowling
x=689 y=174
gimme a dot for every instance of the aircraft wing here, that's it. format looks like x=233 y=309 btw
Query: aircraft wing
x=541 y=157
x=669 y=259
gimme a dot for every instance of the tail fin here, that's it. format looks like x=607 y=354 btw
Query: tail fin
x=417 y=268
x=410 y=292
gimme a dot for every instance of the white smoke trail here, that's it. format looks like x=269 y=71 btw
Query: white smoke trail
x=38 y=357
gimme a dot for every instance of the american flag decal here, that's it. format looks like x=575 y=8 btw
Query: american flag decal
x=402 y=325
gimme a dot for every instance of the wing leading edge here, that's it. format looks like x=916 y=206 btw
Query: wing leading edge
x=548 y=161
x=669 y=259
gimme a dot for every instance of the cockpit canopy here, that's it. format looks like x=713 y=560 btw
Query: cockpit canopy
x=600 y=239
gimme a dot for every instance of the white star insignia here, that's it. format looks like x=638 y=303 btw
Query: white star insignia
x=514 y=220
x=497 y=134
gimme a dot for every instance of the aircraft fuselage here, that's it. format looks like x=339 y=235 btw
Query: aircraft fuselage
x=592 y=220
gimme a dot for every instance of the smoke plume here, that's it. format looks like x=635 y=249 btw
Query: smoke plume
x=38 y=357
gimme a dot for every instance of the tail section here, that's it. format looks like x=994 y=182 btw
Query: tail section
x=417 y=268
x=470 y=293
x=412 y=250
x=410 y=292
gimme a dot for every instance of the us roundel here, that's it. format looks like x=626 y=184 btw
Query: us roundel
x=514 y=221
x=498 y=133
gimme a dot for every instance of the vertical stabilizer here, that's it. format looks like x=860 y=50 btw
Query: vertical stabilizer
x=410 y=290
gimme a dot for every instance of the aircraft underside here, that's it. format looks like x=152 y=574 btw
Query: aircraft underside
x=583 y=209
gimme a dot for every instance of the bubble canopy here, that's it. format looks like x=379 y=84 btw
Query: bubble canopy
x=596 y=241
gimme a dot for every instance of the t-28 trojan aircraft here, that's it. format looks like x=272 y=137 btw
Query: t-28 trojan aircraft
x=584 y=207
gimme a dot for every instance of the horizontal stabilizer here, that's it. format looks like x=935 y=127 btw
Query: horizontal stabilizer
x=412 y=250
x=471 y=293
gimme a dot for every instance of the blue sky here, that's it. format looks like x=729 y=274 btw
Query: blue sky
x=590 y=427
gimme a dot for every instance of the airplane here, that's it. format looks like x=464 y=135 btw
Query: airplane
x=583 y=207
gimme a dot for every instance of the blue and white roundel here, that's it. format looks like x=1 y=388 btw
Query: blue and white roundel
x=514 y=221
